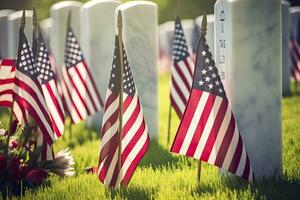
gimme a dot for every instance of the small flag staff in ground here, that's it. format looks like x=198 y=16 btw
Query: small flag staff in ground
x=181 y=73
x=79 y=90
x=208 y=131
x=124 y=134
x=27 y=89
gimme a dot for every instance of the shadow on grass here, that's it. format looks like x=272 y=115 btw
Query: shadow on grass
x=272 y=188
x=131 y=193
x=157 y=157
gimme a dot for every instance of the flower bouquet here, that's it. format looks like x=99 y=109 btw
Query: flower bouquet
x=21 y=164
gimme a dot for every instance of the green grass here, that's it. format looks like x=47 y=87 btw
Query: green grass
x=162 y=175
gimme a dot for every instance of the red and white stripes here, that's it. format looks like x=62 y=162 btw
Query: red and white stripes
x=7 y=77
x=80 y=93
x=135 y=140
x=28 y=94
x=181 y=84
x=295 y=58
x=210 y=134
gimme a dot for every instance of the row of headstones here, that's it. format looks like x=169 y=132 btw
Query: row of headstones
x=248 y=53
x=94 y=23
x=290 y=26
x=166 y=32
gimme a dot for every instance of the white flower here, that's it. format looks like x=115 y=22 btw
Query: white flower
x=62 y=164
x=2 y=132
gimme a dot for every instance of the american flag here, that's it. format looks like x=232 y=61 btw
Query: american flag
x=49 y=87
x=295 y=58
x=181 y=70
x=79 y=90
x=135 y=138
x=7 y=79
x=208 y=130
x=27 y=90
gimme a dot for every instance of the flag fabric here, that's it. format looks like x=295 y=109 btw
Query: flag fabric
x=49 y=87
x=208 y=130
x=27 y=90
x=135 y=138
x=7 y=78
x=295 y=58
x=181 y=70
x=79 y=90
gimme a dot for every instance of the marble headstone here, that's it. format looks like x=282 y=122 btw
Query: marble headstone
x=59 y=13
x=140 y=37
x=4 y=32
x=14 y=20
x=295 y=21
x=286 y=64
x=166 y=31
x=97 y=42
x=248 y=55
x=210 y=30
x=188 y=28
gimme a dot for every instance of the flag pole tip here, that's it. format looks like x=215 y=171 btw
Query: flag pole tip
x=204 y=24
x=69 y=18
x=23 y=20
x=34 y=17
x=120 y=19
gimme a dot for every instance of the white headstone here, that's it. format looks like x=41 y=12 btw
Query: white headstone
x=286 y=64
x=210 y=30
x=295 y=21
x=14 y=20
x=140 y=36
x=59 y=13
x=248 y=55
x=97 y=42
x=166 y=31
x=4 y=32
x=46 y=26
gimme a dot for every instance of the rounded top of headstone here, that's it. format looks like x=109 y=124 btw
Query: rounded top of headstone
x=294 y=9
x=5 y=12
x=18 y=14
x=46 y=23
x=131 y=4
x=285 y=2
x=167 y=26
x=92 y=3
x=65 y=4
x=210 y=19
x=187 y=23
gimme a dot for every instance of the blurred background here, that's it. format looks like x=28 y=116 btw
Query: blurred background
x=188 y=8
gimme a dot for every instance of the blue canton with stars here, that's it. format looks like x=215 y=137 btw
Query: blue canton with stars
x=42 y=61
x=180 y=48
x=25 y=60
x=73 y=53
x=206 y=74
x=114 y=81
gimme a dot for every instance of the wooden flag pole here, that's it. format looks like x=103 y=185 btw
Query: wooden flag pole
x=70 y=124
x=120 y=24
x=170 y=107
x=203 y=33
x=169 y=124
x=35 y=33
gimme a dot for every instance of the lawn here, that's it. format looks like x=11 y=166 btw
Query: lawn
x=162 y=175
